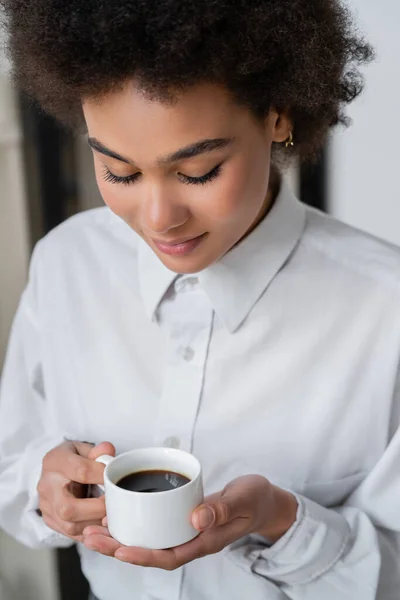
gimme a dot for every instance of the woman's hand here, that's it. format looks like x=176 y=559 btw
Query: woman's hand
x=66 y=472
x=249 y=504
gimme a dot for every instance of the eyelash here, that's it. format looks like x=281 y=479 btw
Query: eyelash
x=213 y=174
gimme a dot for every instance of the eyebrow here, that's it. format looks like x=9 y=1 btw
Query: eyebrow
x=99 y=147
x=201 y=147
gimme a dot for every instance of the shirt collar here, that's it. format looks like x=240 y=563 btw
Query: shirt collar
x=154 y=278
x=236 y=282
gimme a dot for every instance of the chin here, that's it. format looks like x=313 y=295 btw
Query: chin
x=185 y=265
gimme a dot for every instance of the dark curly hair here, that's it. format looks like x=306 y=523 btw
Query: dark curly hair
x=300 y=56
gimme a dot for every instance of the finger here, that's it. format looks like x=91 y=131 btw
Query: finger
x=204 y=516
x=219 y=509
x=47 y=512
x=169 y=559
x=55 y=526
x=162 y=559
x=82 y=448
x=209 y=542
x=67 y=461
x=104 y=544
x=45 y=506
x=99 y=530
x=76 y=529
x=78 y=510
x=68 y=528
x=80 y=469
x=212 y=541
x=101 y=449
x=198 y=521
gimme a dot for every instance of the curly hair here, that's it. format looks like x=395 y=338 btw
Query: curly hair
x=301 y=56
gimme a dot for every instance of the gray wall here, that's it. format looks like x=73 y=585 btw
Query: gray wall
x=24 y=574
x=365 y=159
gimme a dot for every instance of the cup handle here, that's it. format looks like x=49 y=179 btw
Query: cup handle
x=95 y=491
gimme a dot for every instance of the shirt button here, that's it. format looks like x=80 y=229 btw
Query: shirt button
x=187 y=353
x=191 y=282
x=172 y=442
x=185 y=284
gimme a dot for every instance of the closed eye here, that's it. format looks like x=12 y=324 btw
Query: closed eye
x=213 y=174
x=111 y=178
x=203 y=179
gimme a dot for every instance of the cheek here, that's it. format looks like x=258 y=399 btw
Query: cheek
x=116 y=197
x=238 y=194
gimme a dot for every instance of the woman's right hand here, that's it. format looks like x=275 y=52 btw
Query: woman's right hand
x=67 y=471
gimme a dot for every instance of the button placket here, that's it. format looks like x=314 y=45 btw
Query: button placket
x=187 y=353
x=172 y=442
x=190 y=323
x=162 y=585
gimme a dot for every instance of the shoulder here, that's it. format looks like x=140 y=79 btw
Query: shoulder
x=354 y=252
x=95 y=234
x=95 y=224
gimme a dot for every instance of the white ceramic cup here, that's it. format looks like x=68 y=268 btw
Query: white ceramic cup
x=155 y=520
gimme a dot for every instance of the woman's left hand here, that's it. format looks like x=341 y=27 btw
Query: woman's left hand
x=249 y=504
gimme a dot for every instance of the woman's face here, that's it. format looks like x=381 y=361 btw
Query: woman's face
x=190 y=177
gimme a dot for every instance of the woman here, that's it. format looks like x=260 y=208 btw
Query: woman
x=205 y=307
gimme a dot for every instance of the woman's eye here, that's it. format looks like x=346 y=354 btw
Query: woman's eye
x=111 y=178
x=213 y=174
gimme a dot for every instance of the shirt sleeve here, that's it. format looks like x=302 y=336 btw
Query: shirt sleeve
x=26 y=434
x=350 y=552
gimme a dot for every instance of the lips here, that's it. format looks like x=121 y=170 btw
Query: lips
x=180 y=247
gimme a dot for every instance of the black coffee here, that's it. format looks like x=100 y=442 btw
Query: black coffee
x=152 y=481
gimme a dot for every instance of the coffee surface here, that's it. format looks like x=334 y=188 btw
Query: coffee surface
x=152 y=481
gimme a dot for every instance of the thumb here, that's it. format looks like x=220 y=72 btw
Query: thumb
x=214 y=514
x=100 y=449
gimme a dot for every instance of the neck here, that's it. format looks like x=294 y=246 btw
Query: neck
x=274 y=185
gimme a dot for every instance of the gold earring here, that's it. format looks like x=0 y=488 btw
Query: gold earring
x=289 y=142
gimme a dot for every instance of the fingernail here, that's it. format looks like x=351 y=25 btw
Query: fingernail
x=204 y=518
x=120 y=555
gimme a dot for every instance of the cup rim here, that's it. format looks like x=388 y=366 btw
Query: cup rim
x=152 y=448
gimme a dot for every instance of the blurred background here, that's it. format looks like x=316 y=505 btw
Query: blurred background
x=46 y=175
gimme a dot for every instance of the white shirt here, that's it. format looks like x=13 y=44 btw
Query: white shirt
x=281 y=359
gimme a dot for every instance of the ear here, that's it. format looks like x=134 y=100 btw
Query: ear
x=281 y=126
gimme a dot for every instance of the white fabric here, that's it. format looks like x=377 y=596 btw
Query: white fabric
x=281 y=360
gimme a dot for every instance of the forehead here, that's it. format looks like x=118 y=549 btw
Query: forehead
x=134 y=124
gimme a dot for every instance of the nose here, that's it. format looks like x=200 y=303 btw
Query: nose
x=159 y=213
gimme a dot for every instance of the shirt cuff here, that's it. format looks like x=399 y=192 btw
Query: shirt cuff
x=310 y=548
